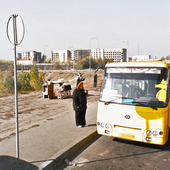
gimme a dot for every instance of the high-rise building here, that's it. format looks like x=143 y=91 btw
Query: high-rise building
x=141 y=57
x=61 y=56
x=32 y=55
x=80 y=54
x=117 y=54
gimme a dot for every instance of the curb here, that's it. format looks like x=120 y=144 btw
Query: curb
x=66 y=152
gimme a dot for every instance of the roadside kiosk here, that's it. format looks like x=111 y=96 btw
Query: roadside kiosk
x=48 y=89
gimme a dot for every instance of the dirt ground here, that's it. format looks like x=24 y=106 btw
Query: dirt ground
x=34 y=110
x=71 y=77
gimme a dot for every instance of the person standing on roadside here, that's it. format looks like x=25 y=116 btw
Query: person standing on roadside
x=80 y=105
x=79 y=78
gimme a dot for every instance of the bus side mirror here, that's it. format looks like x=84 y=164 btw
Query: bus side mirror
x=95 y=80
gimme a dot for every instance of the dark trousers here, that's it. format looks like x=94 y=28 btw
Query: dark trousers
x=80 y=117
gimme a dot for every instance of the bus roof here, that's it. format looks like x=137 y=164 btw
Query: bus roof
x=164 y=63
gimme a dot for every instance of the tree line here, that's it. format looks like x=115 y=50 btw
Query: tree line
x=33 y=80
x=93 y=63
x=30 y=81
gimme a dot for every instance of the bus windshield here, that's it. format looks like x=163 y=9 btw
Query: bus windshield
x=135 y=86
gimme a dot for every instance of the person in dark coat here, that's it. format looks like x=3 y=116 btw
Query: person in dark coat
x=80 y=105
x=79 y=78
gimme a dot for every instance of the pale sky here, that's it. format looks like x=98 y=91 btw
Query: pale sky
x=72 y=24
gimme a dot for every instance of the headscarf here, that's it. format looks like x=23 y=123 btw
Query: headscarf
x=78 y=86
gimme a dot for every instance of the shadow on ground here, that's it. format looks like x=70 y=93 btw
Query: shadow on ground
x=10 y=163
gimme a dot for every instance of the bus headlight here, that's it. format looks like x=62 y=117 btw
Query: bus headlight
x=148 y=132
x=107 y=126
x=102 y=125
x=148 y=139
x=155 y=133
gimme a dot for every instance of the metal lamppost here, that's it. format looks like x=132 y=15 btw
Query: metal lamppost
x=44 y=55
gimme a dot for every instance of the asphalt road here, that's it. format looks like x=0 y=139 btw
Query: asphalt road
x=108 y=153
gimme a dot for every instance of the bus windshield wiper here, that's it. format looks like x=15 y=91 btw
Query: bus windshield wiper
x=144 y=104
x=141 y=102
x=147 y=101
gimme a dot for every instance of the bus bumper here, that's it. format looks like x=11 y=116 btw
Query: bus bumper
x=135 y=137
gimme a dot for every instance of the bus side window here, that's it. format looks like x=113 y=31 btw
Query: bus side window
x=169 y=82
x=169 y=86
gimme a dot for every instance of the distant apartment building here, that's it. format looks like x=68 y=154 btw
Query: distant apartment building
x=117 y=54
x=73 y=54
x=61 y=56
x=141 y=57
x=32 y=55
x=80 y=54
x=97 y=53
x=28 y=58
x=19 y=56
x=67 y=56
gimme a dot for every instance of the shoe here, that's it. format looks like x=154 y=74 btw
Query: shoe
x=79 y=126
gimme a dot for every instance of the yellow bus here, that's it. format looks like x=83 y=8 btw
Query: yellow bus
x=134 y=101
